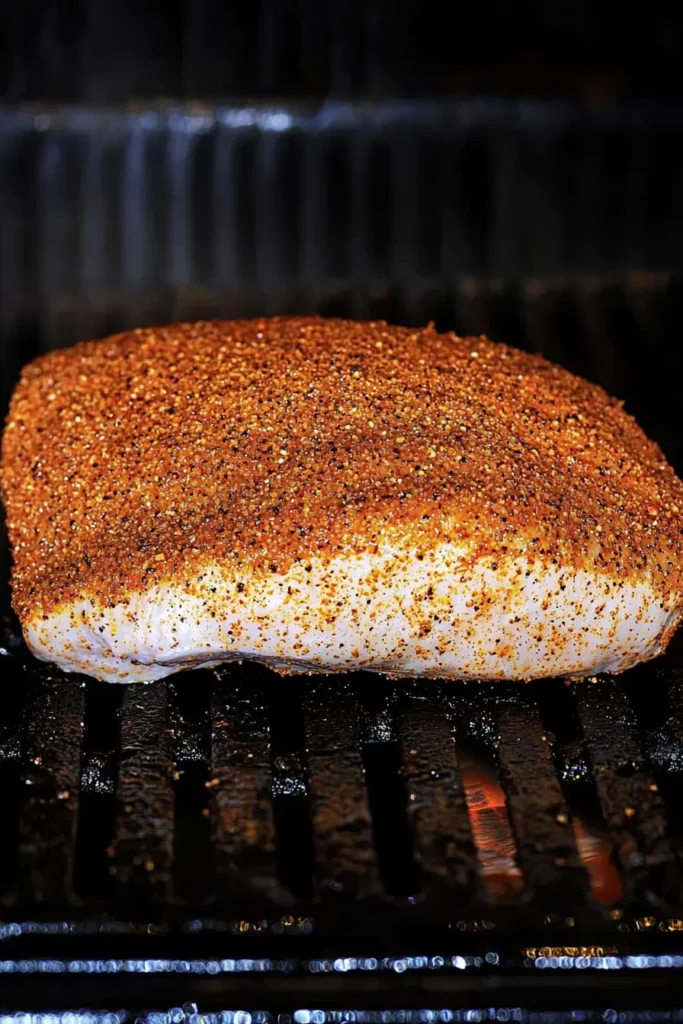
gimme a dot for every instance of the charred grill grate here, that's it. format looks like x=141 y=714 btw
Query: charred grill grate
x=245 y=840
x=174 y=796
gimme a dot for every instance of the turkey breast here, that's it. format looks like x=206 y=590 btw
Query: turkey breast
x=327 y=496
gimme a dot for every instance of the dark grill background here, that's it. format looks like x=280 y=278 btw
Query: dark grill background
x=103 y=52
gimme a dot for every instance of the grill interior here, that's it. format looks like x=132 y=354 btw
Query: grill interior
x=248 y=840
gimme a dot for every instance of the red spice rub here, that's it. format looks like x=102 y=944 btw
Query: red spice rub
x=131 y=460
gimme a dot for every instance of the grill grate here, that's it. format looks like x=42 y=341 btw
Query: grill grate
x=340 y=816
x=437 y=811
x=50 y=786
x=377 y=771
x=142 y=853
x=290 y=824
x=629 y=796
x=547 y=850
x=240 y=807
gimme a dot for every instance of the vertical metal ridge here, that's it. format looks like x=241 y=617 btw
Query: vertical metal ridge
x=405 y=154
x=547 y=851
x=140 y=225
x=142 y=852
x=268 y=242
x=358 y=264
x=181 y=143
x=312 y=214
x=240 y=802
x=49 y=799
x=96 y=272
x=225 y=199
x=345 y=859
x=404 y=162
x=18 y=215
x=504 y=241
x=59 y=173
x=633 y=808
x=437 y=811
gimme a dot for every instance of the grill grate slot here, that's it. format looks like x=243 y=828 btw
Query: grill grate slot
x=142 y=854
x=631 y=803
x=387 y=798
x=291 y=804
x=241 y=809
x=49 y=795
x=191 y=730
x=345 y=856
x=97 y=805
x=540 y=818
x=437 y=811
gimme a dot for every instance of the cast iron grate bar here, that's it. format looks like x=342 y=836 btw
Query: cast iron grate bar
x=49 y=796
x=437 y=811
x=547 y=851
x=244 y=839
x=241 y=809
x=345 y=859
x=142 y=852
x=631 y=803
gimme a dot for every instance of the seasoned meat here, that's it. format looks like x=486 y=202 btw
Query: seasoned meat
x=324 y=495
